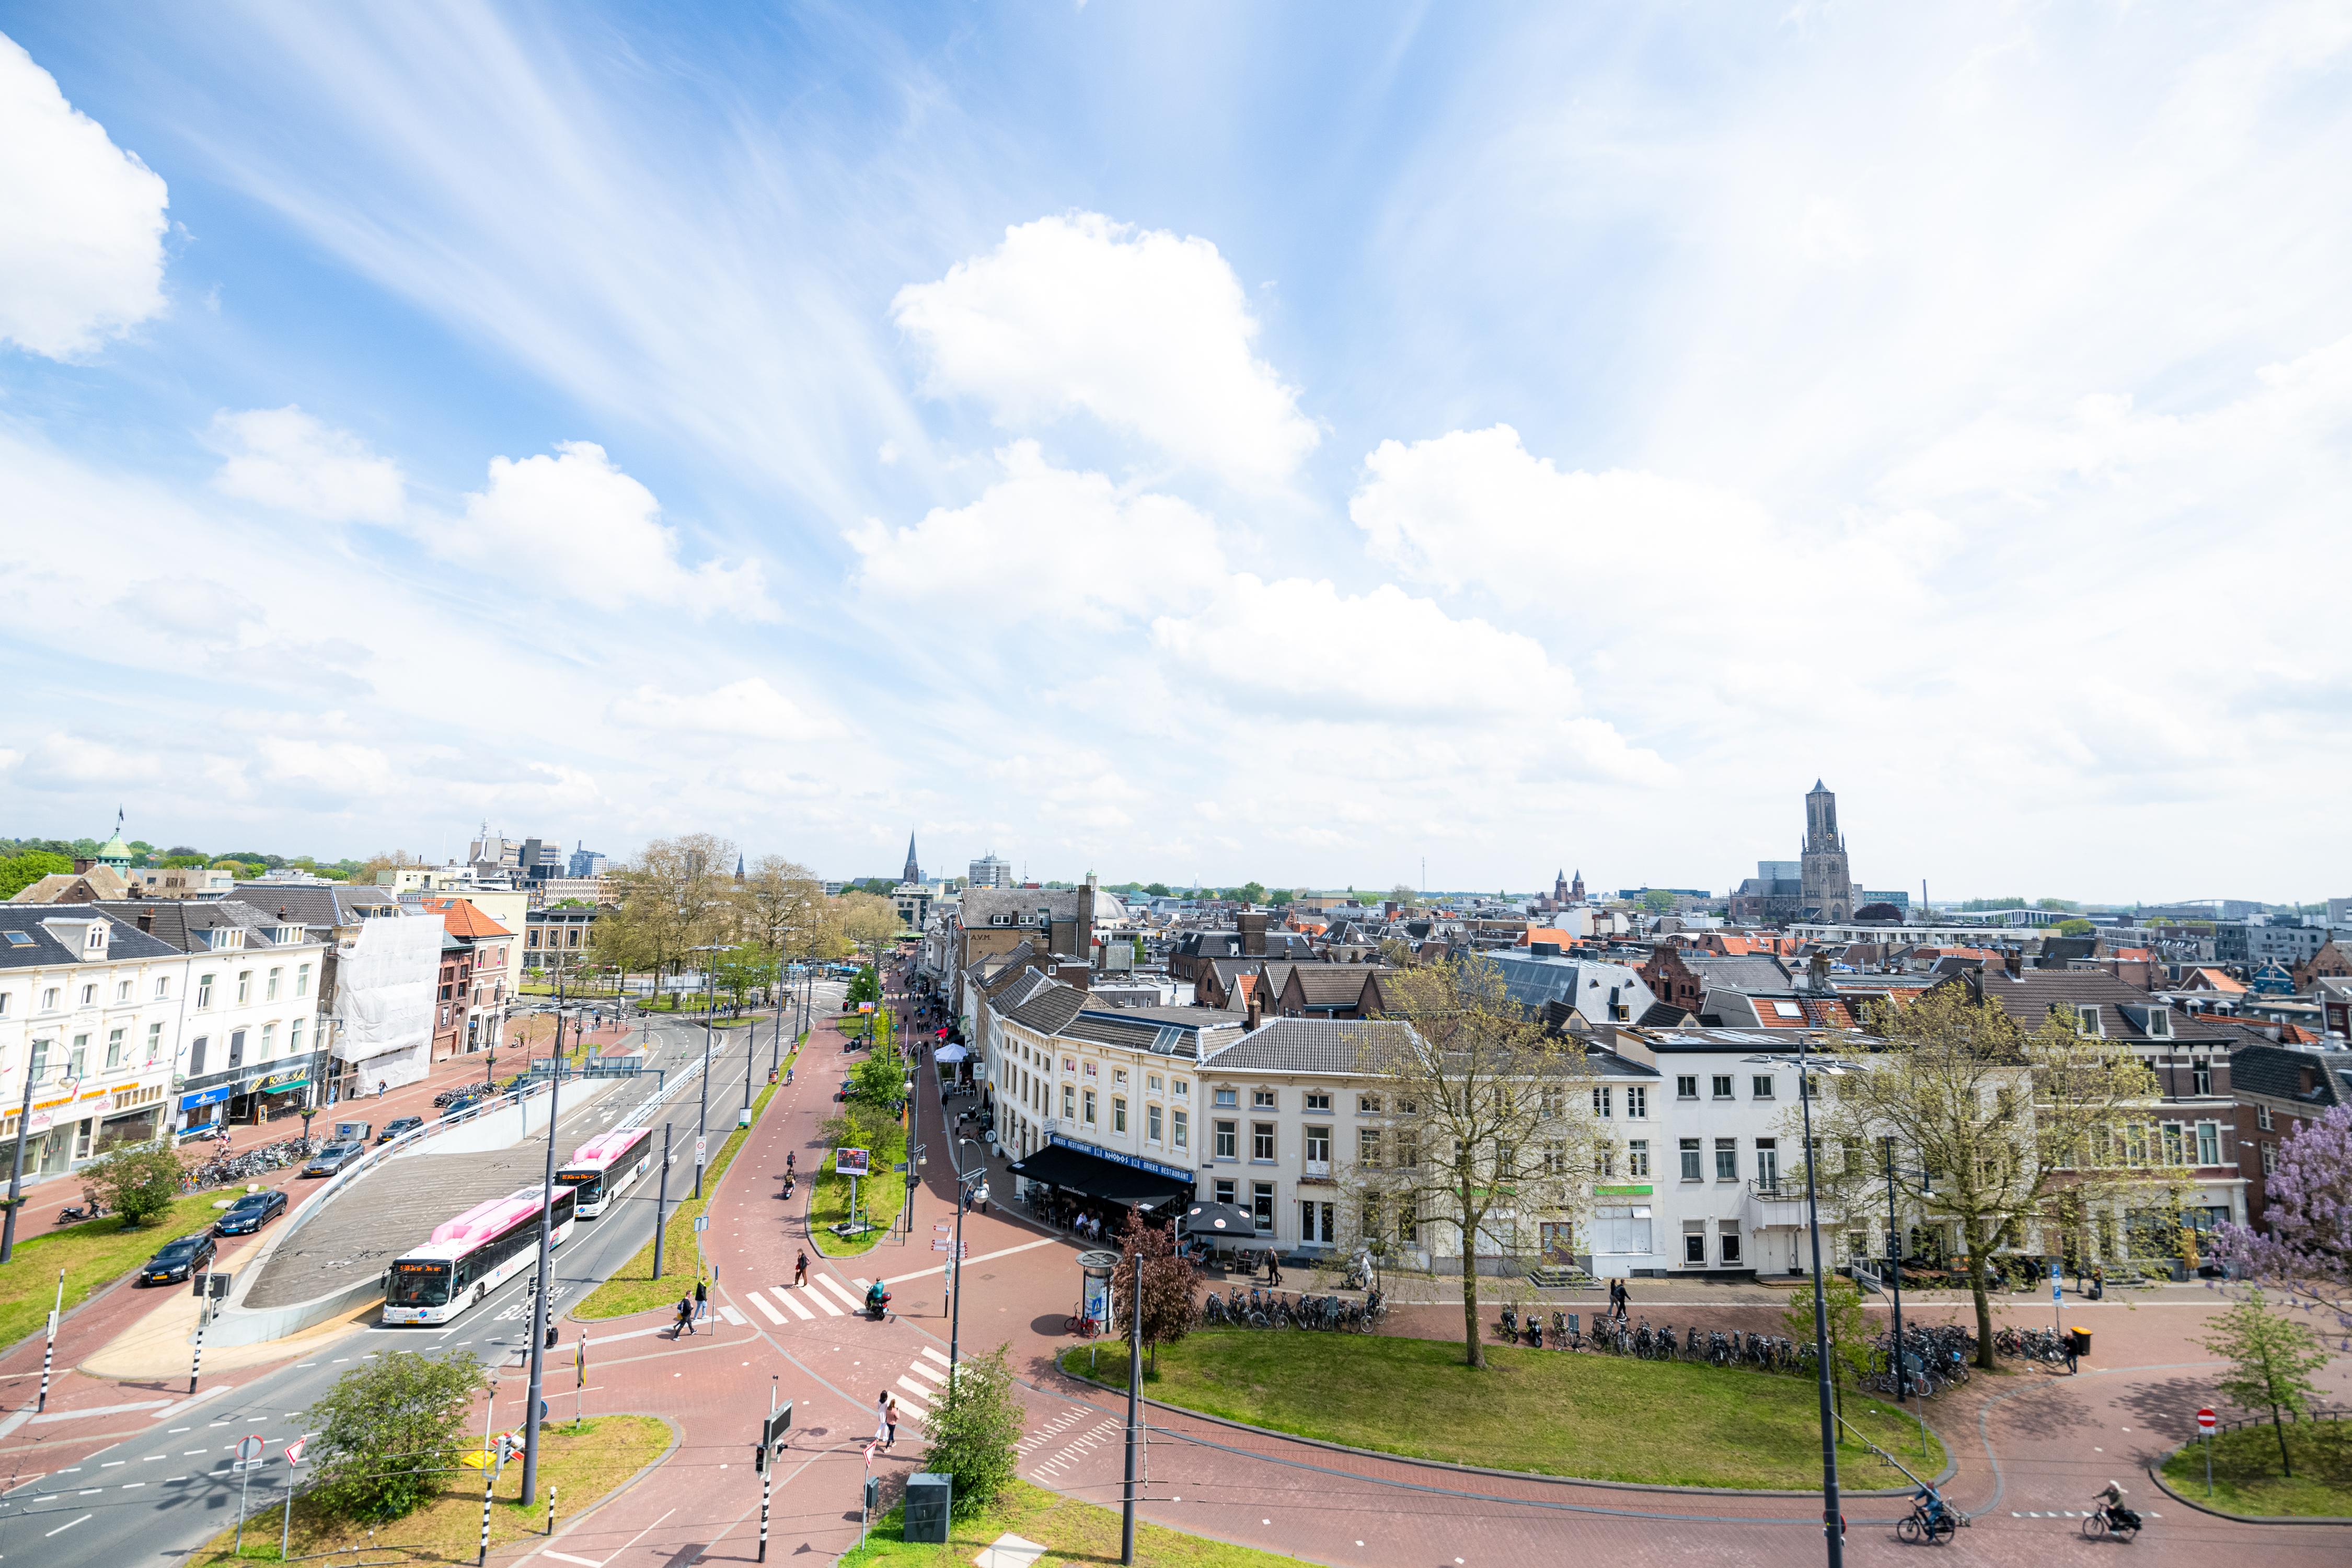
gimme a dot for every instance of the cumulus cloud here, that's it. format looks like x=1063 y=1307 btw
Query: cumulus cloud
x=1146 y=332
x=285 y=458
x=340 y=769
x=1304 y=650
x=594 y=533
x=1043 y=538
x=81 y=245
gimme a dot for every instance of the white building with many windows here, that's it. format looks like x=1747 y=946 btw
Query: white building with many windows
x=90 y=1014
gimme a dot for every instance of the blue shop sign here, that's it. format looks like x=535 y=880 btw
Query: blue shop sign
x=207 y=1097
x=1136 y=1162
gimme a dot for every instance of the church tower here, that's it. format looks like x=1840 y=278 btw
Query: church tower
x=914 y=871
x=1828 y=885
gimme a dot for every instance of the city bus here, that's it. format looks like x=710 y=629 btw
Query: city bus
x=606 y=1166
x=471 y=1255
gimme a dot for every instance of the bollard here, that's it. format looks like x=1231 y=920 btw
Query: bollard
x=550 y=1511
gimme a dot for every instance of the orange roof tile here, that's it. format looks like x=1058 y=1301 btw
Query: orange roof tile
x=462 y=919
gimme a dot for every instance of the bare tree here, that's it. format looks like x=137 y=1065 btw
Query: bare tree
x=2011 y=1136
x=1482 y=1128
x=783 y=906
x=675 y=896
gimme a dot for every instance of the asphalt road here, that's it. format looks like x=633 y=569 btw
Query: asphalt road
x=156 y=1497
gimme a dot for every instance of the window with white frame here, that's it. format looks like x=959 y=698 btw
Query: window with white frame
x=1179 y=1128
x=1262 y=1099
x=243 y=986
x=1119 y=1113
x=1637 y=1158
x=1368 y=1105
x=2209 y=1143
x=77 y=1060
x=2261 y=1113
x=1368 y=1148
x=114 y=1051
x=1637 y=1102
x=2270 y=1159
x=122 y=990
x=1087 y=1107
x=49 y=999
x=1761 y=1087
x=269 y=992
x=1227 y=1098
x=162 y=987
x=1183 y=1088
x=1601 y=1099
x=1723 y=1086
x=1686 y=1086
x=1726 y=1159
x=1069 y=1101
x=1151 y=1122
x=90 y=994
x=154 y=1044
x=1690 y=1157
x=1317 y=1102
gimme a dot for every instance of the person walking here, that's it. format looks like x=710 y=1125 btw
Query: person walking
x=1273 y=1270
x=800 y=1271
x=882 y=1419
x=701 y=1299
x=685 y=1324
x=890 y=1417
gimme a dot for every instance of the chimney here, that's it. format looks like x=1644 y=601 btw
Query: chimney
x=1252 y=930
x=2013 y=960
x=147 y=920
x=1256 y=1005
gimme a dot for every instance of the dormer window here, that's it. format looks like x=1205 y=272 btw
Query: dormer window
x=2088 y=1021
x=96 y=941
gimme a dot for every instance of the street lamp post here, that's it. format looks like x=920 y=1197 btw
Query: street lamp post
x=17 y=1169
x=964 y=1187
x=702 y=1117
x=540 y=1292
x=1833 y=1515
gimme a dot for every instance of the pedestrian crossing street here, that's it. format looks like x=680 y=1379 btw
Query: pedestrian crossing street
x=1075 y=1445
x=833 y=1299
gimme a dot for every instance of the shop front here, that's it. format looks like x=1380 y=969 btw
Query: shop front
x=1065 y=1182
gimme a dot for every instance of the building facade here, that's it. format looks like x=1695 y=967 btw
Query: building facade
x=90 y=1011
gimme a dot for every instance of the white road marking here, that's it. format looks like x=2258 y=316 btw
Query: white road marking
x=917 y=1395
x=824 y=1303
x=925 y=1370
x=838 y=1288
x=732 y=1316
x=984 y=1258
x=792 y=1299
x=765 y=1310
x=935 y=1355
x=61 y=1530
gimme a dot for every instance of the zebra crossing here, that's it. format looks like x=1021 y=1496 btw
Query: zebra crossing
x=1075 y=1445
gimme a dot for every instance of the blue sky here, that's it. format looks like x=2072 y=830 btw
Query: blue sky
x=1212 y=441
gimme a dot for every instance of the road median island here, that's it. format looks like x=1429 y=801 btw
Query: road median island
x=584 y=1463
x=633 y=1287
x=1069 y=1530
x=2248 y=1481
x=1577 y=1416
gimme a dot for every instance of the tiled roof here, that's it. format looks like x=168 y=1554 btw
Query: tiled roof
x=2030 y=996
x=1331 y=985
x=2218 y=980
x=464 y=919
x=1310 y=1046
x=336 y=905
x=1752 y=974
x=2279 y=1073
x=124 y=941
x=1049 y=1010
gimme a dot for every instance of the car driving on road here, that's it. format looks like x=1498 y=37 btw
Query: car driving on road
x=398 y=1125
x=178 y=1260
x=333 y=1158
x=250 y=1212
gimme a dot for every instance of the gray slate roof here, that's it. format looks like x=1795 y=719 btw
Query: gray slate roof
x=1310 y=1046
x=337 y=904
x=2277 y=1072
x=178 y=922
x=42 y=949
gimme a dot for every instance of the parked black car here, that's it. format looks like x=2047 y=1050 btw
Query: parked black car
x=333 y=1158
x=178 y=1260
x=398 y=1125
x=250 y=1212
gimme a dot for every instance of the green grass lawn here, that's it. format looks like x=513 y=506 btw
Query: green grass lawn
x=579 y=1463
x=1601 y=1418
x=881 y=1195
x=93 y=1255
x=2246 y=1476
x=1073 y=1531
x=633 y=1288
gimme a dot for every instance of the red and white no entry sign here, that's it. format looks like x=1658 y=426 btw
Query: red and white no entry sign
x=2206 y=1420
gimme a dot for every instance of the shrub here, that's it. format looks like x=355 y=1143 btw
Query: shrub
x=971 y=1431
x=388 y=1433
x=137 y=1183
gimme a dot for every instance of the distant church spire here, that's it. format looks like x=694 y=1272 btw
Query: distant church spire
x=914 y=871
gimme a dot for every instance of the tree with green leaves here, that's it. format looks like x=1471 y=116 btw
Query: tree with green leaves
x=1171 y=1307
x=2076 y=927
x=1851 y=1337
x=1248 y=893
x=136 y=1183
x=2271 y=1357
x=1658 y=901
x=878 y=1081
x=390 y=1432
x=19 y=872
x=866 y=985
x=1157 y=890
x=971 y=1432
x=2009 y=1136
x=1484 y=1129
x=1282 y=898
x=742 y=969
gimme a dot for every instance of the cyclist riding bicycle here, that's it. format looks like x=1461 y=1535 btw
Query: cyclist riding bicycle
x=1930 y=1504
x=2111 y=1503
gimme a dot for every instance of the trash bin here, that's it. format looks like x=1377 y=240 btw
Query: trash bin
x=2082 y=1343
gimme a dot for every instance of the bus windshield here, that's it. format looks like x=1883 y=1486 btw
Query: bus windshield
x=420 y=1283
x=587 y=1186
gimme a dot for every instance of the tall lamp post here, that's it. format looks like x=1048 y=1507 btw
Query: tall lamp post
x=702 y=1117
x=540 y=1292
x=965 y=1183
x=1833 y=1512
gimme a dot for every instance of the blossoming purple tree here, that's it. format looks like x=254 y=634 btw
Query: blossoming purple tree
x=2306 y=1253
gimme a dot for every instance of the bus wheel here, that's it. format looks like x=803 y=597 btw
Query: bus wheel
x=480 y=1291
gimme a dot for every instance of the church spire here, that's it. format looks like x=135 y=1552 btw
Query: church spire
x=914 y=871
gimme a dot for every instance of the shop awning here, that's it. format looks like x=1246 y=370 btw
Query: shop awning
x=1058 y=1165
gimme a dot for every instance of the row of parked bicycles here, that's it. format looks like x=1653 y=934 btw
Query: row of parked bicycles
x=2032 y=1344
x=1278 y=1310
x=466 y=1094
x=1935 y=1357
x=223 y=1170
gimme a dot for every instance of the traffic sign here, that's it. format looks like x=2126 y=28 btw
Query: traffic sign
x=248 y=1449
x=701 y=1148
x=294 y=1450
x=951 y=1247
x=701 y=1223
x=2206 y=1420
x=942 y=1226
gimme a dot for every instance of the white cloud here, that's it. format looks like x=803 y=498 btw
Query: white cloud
x=343 y=770
x=1043 y=538
x=81 y=241
x=750 y=708
x=1146 y=332
x=284 y=458
x=596 y=534
x=1387 y=661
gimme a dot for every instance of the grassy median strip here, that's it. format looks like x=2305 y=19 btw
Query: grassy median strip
x=1070 y=1530
x=578 y=1462
x=633 y=1288
x=2246 y=1476
x=1558 y=1412
x=93 y=1255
